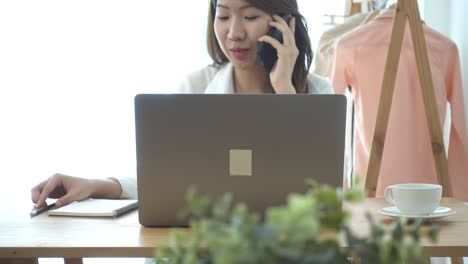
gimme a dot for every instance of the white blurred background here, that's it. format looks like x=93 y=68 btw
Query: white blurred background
x=69 y=71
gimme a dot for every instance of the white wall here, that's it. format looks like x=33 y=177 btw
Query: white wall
x=459 y=33
x=446 y=16
x=69 y=71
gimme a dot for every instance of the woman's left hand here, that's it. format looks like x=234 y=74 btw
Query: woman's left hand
x=281 y=75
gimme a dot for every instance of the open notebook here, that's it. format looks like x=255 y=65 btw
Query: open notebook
x=96 y=208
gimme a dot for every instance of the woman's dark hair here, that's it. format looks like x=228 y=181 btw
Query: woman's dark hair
x=304 y=59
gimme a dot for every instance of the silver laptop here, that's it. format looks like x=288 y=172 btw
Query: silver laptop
x=258 y=147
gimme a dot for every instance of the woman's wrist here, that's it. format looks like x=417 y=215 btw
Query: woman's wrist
x=105 y=188
x=285 y=89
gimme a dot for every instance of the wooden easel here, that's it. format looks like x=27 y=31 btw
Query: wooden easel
x=407 y=9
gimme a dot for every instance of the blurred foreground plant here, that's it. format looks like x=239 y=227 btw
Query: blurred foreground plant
x=306 y=230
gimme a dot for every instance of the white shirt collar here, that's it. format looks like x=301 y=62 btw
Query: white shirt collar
x=223 y=82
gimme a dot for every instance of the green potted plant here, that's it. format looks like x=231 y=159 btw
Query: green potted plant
x=305 y=230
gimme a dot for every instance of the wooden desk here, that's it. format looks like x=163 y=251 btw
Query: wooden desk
x=24 y=239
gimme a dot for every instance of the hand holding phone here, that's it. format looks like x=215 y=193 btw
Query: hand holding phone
x=266 y=53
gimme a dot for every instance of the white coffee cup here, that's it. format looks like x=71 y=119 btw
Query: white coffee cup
x=414 y=198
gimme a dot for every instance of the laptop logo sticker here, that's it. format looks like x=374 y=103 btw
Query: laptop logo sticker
x=240 y=162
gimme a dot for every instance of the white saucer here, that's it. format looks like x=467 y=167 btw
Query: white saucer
x=438 y=213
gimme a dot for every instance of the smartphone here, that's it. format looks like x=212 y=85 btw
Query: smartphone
x=266 y=53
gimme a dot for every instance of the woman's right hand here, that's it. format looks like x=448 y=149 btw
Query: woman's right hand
x=65 y=188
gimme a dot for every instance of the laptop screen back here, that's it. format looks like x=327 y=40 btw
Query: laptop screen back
x=258 y=147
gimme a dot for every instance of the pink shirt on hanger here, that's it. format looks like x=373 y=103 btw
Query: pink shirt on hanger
x=359 y=61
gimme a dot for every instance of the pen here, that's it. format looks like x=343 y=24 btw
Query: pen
x=35 y=212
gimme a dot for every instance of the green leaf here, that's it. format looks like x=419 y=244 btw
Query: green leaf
x=221 y=208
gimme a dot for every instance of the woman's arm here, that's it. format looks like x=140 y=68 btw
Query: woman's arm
x=68 y=189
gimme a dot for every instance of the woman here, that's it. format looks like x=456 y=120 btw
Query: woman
x=235 y=29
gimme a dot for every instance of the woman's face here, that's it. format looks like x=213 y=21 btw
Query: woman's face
x=238 y=25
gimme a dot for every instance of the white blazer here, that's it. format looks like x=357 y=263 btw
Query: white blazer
x=219 y=80
x=216 y=80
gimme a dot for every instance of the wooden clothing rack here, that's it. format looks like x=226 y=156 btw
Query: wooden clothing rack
x=407 y=9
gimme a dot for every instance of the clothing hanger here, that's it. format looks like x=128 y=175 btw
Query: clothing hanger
x=391 y=7
x=379 y=4
x=356 y=6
